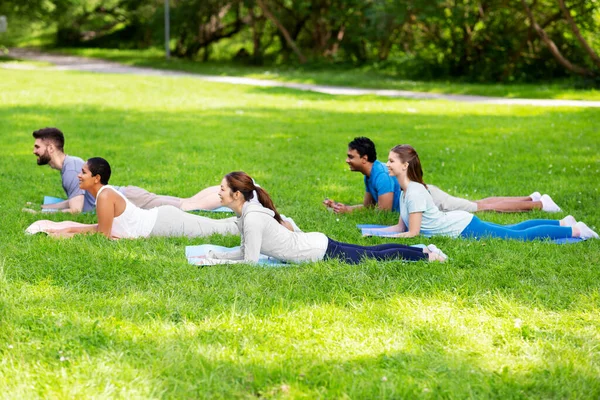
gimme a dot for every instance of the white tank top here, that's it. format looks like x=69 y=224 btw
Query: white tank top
x=134 y=222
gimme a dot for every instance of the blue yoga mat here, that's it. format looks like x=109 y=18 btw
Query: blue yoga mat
x=367 y=229
x=51 y=200
x=194 y=254
x=220 y=209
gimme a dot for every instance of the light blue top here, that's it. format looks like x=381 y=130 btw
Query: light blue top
x=416 y=198
x=380 y=182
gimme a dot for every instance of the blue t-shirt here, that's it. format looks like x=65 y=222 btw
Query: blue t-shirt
x=70 y=183
x=380 y=182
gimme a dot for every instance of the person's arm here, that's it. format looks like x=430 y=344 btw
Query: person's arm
x=253 y=236
x=61 y=205
x=385 y=202
x=105 y=209
x=230 y=255
x=72 y=231
x=391 y=230
x=74 y=205
x=249 y=251
x=399 y=230
x=414 y=225
x=341 y=208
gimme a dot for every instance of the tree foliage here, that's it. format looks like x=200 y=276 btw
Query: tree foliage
x=474 y=39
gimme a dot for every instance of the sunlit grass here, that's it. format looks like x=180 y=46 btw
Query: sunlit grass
x=91 y=318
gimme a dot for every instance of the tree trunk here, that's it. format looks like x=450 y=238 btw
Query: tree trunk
x=578 y=35
x=552 y=46
x=256 y=36
x=283 y=31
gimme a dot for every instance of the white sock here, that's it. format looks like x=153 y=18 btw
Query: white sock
x=434 y=249
x=569 y=220
x=548 y=204
x=585 y=232
x=535 y=196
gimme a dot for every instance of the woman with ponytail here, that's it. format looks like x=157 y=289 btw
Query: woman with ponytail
x=418 y=213
x=261 y=232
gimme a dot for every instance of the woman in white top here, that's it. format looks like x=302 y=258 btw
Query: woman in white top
x=418 y=213
x=261 y=232
x=119 y=218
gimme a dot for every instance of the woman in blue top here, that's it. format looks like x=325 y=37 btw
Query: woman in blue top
x=418 y=213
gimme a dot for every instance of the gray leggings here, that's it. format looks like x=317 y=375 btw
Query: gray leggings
x=171 y=221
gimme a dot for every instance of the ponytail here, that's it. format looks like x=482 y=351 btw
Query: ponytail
x=240 y=181
x=265 y=200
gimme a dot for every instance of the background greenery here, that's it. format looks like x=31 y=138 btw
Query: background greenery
x=477 y=41
x=87 y=317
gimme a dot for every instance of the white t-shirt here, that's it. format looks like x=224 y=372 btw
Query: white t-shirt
x=416 y=198
x=134 y=222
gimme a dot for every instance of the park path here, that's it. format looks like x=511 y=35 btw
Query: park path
x=76 y=63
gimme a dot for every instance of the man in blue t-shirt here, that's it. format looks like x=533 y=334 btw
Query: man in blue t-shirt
x=381 y=189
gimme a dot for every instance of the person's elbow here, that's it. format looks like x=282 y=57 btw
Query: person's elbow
x=384 y=206
x=412 y=233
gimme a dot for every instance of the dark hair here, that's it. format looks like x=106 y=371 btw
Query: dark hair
x=365 y=147
x=408 y=154
x=240 y=181
x=53 y=135
x=99 y=166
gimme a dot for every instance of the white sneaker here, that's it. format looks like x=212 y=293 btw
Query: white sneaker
x=548 y=204
x=535 y=196
x=569 y=220
x=585 y=232
x=434 y=249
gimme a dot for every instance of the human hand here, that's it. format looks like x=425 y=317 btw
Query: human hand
x=29 y=210
x=340 y=208
x=328 y=203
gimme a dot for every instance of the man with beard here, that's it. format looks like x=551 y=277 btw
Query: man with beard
x=49 y=150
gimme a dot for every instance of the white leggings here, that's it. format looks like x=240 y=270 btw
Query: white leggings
x=171 y=221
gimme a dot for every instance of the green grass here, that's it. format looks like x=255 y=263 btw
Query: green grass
x=87 y=317
x=364 y=77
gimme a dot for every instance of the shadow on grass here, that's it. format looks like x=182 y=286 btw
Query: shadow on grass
x=213 y=358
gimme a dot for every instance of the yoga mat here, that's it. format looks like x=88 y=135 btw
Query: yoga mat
x=368 y=229
x=194 y=255
x=51 y=200
x=54 y=200
x=220 y=209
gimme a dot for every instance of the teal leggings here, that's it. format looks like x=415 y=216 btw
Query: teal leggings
x=526 y=230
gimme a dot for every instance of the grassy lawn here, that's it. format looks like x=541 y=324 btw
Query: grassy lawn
x=365 y=77
x=88 y=317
